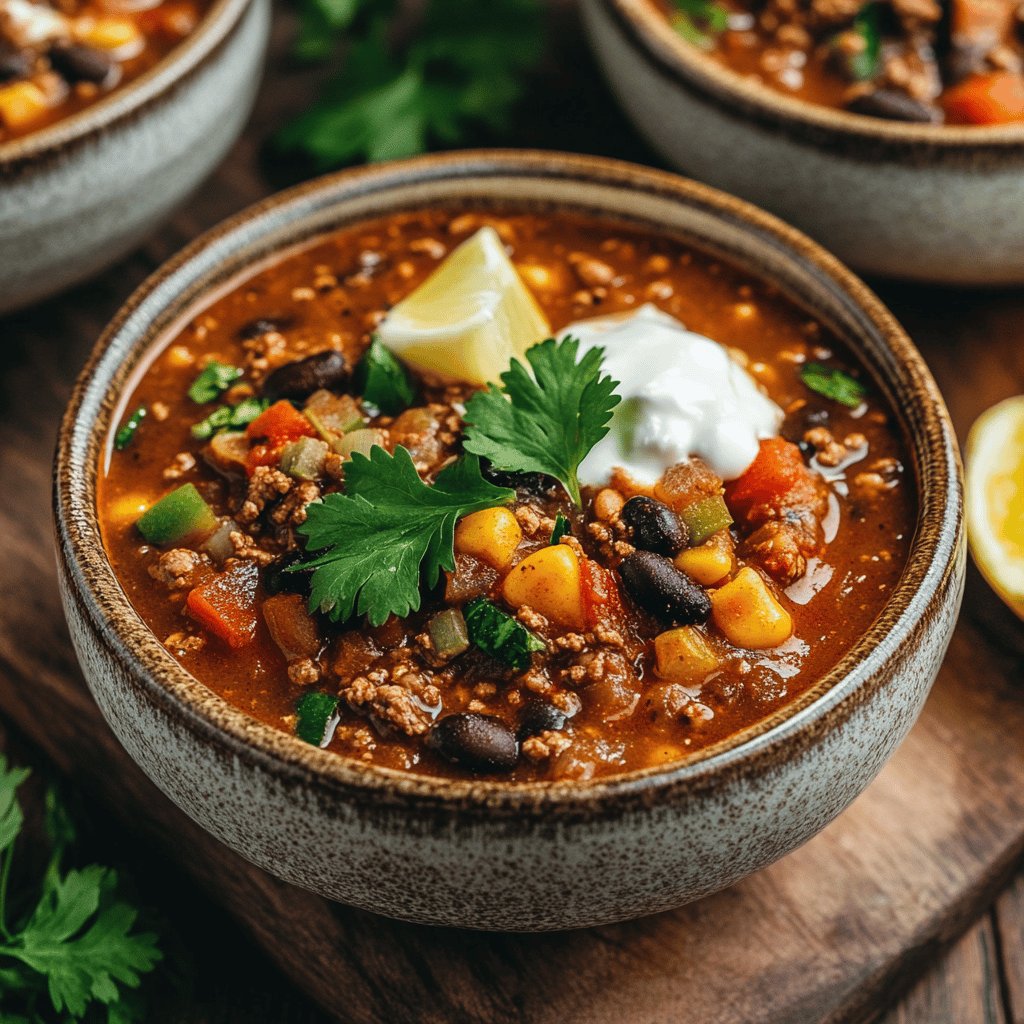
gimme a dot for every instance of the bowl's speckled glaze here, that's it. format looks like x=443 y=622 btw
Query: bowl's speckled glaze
x=82 y=192
x=484 y=854
x=924 y=202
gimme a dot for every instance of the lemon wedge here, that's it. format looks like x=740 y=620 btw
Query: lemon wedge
x=995 y=499
x=469 y=318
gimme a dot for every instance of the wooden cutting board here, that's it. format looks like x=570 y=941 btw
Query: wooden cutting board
x=829 y=934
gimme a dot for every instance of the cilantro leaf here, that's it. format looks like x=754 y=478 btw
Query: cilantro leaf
x=832 y=383
x=460 y=65
x=375 y=539
x=382 y=380
x=314 y=711
x=229 y=417
x=548 y=422
x=501 y=635
x=214 y=379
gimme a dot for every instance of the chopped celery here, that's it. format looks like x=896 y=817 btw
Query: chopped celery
x=304 y=458
x=500 y=635
x=448 y=633
x=124 y=436
x=180 y=514
x=382 y=380
x=316 y=713
x=705 y=517
x=333 y=414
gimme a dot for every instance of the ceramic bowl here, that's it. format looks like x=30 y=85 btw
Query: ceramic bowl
x=924 y=202
x=485 y=854
x=78 y=194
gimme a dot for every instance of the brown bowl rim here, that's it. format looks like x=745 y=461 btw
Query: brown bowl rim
x=209 y=35
x=648 y=31
x=797 y=726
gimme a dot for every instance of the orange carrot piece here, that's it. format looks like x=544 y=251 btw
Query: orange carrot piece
x=226 y=604
x=994 y=98
x=772 y=478
x=279 y=424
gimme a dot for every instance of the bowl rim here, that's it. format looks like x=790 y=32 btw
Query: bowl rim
x=649 y=32
x=90 y=581
x=213 y=28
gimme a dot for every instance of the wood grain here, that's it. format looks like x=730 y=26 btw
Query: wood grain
x=831 y=934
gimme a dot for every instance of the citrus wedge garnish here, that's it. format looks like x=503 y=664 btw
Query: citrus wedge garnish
x=469 y=318
x=995 y=499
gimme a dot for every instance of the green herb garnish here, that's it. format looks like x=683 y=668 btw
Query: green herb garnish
x=382 y=381
x=388 y=529
x=864 y=64
x=315 y=710
x=500 y=635
x=124 y=436
x=698 y=21
x=229 y=417
x=547 y=422
x=834 y=384
x=73 y=952
x=560 y=530
x=456 y=67
x=214 y=380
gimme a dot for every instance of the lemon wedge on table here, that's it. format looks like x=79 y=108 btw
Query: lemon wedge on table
x=469 y=318
x=995 y=499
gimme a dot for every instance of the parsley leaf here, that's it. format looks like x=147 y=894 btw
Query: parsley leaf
x=399 y=92
x=834 y=384
x=78 y=946
x=548 y=422
x=388 y=527
x=214 y=379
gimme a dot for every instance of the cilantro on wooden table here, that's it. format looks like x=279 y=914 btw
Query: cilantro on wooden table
x=74 y=952
x=832 y=383
x=388 y=527
x=546 y=422
x=409 y=82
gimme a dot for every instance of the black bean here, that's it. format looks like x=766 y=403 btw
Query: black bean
x=537 y=485
x=303 y=377
x=538 y=716
x=479 y=743
x=663 y=590
x=894 y=106
x=257 y=328
x=77 y=63
x=655 y=526
x=14 y=63
x=277 y=580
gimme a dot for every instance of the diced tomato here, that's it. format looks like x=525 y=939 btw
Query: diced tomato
x=993 y=98
x=600 y=594
x=262 y=455
x=279 y=424
x=226 y=604
x=777 y=478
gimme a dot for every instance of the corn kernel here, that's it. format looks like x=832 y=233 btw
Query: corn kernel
x=491 y=535
x=22 y=104
x=684 y=656
x=708 y=563
x=118 y=36
x=550 y=582
x=127 y=509
x=749 y=614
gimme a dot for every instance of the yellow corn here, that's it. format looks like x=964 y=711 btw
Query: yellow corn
x=549 y=581
x=710 y=562
x=22 y=104
x=749 y=614
x=684 y=656
x=118 y=35
x=491 y=535
x=126 y=509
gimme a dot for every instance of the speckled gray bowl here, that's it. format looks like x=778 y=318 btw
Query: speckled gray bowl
x=921 y=202
x=82 y=192
x=486 y=854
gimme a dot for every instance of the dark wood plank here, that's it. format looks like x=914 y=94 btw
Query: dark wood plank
x=1009 y=921
x=962 y=988
x=829 y=934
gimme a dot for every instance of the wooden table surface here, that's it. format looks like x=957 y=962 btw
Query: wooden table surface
x=973 y=341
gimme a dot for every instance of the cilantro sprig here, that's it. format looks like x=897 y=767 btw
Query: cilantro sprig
x=213 y=380
x=389 y=527
x=75 y=950
x=404 y=87
x=833 y=383
x=546 y=422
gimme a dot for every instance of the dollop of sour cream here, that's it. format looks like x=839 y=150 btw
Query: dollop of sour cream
x=682 y=395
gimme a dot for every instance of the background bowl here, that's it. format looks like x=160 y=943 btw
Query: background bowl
x=921 y=202
x=80 y=193
x=485 y=854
